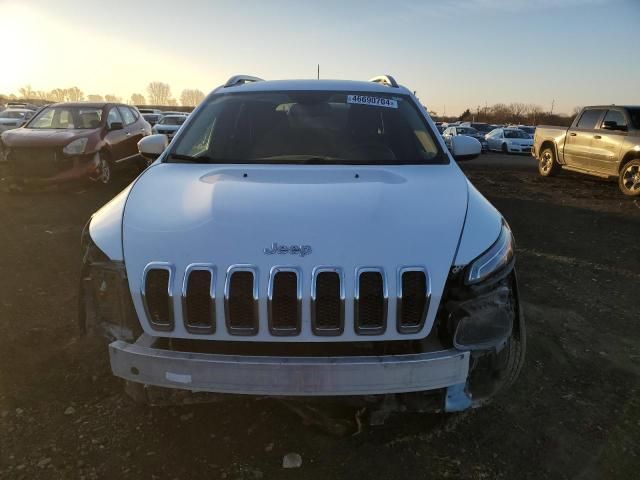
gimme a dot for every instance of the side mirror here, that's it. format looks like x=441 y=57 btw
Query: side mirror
x=611 y=125
x=465 y=148
x=152 y=146
x=116 y=126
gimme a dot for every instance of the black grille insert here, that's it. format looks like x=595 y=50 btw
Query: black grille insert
x=199 y=305
x=241 y=305
x=413 y=301
x=328 y=306
x=157 y=299
x=371 y=304
x=284 y=304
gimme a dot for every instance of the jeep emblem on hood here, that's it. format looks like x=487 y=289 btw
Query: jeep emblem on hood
x=302 y=250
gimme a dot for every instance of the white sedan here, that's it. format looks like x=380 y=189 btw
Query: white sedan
x=509 y=140
x=169 y=124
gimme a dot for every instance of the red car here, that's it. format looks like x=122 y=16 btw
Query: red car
x=70 y=141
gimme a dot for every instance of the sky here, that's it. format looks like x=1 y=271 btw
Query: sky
x=454 y=53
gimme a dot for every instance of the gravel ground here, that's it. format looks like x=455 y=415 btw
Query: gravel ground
x=574 y=412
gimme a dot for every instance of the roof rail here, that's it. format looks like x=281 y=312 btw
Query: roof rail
x=241 y=80
x=385 y=80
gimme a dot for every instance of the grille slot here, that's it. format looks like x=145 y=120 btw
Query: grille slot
x=285 y=301
x=413 y=299
x=157 y=297
x=327 y=302
x=370 y=302
x=198 y=298
x=241 y=301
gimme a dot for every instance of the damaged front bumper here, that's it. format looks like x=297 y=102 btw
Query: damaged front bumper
x=50 y=167
x=143 y=362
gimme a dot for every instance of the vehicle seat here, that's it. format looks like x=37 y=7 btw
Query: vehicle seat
x=90 y=120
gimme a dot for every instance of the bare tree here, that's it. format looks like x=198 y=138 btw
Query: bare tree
x=42 y=95
x=74 y=94
x=110 y=97
x=58 y=95
x=191 y=98
x=518 y=111
x=138 y=99
x=27 y=92
x=159 y=93
x=95 y=98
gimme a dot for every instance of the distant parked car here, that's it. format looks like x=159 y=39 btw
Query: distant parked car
x=68 y=141
x=526 y=128
x=14 y=117
x=483 y=128
x=451 y=132
x=171 y=112
x=169 y=124
x=509 y=140
x=152 y=118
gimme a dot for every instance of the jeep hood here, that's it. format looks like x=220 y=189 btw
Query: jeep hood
x=350 y=216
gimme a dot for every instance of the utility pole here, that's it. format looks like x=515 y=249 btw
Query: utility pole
x=552 y=104
x=318 y=71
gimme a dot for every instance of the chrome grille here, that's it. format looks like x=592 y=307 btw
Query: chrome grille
x=285 y=301
x=413 y=299
x=241 y=301
x=286 y=289
x=198 y=297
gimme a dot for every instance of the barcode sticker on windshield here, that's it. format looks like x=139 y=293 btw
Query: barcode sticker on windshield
x=373 y=101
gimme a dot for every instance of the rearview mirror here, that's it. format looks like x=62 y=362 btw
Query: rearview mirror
x=116 y=126
x=465 y=148
x=152 y=146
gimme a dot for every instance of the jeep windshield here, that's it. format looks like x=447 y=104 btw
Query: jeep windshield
x=308 y=127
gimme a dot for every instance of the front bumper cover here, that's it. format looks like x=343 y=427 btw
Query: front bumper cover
x=140 y=362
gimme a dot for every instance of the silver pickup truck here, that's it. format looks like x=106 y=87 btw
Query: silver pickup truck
x=602 y=141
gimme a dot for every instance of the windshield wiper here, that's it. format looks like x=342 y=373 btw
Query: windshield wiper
x=192 y=159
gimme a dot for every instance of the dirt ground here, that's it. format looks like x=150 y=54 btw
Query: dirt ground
x=574 y=412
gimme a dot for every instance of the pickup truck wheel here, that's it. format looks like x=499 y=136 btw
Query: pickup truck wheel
x=547 y=165
x=629 y=179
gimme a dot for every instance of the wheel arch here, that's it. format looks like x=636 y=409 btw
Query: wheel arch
x=630 y=155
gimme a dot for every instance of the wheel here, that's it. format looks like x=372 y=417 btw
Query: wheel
x=629 y=178
x=104 y=170
x=547 y=165
x=505 y=149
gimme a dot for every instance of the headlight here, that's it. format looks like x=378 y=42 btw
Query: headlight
x=76 y=147
x=498 y=256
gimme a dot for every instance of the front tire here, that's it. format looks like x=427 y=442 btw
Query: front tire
x=105 y=169
x=547 y=164
x=629 y=178
x=505 y=148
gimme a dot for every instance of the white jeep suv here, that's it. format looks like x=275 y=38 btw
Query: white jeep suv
x=306 y=238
